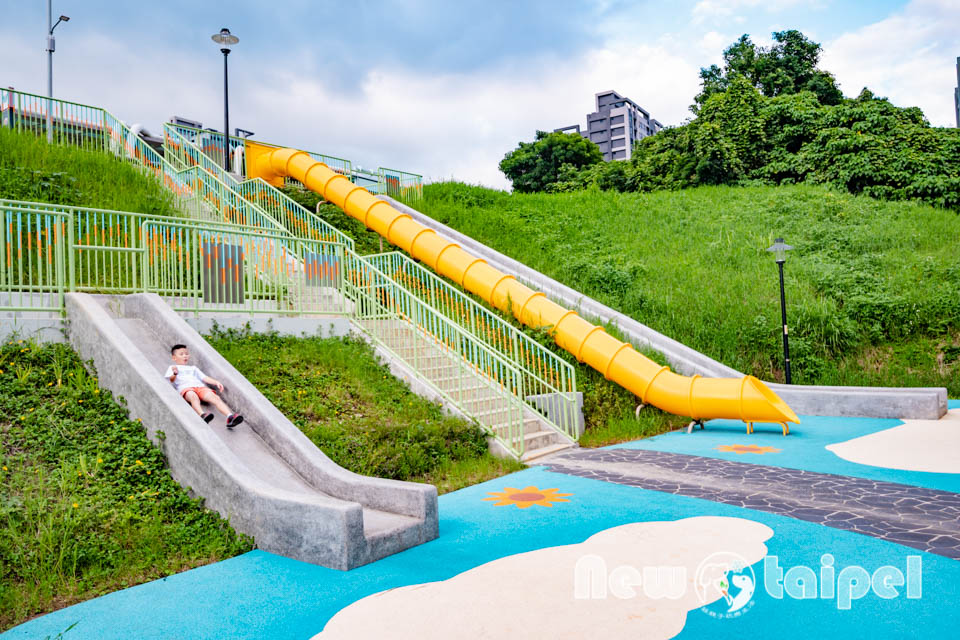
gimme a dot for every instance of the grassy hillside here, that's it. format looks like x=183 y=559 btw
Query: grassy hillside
x=871 y=286
x=31 y=169
x=87 y=505
x=357 y=413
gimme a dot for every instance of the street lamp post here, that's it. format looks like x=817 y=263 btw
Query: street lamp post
x=51 y=47
x=780 y=249
x=225 y=39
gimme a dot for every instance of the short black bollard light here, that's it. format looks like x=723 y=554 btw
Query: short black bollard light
x=780 y=249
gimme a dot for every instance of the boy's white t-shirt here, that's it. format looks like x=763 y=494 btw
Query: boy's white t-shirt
x=187 y=376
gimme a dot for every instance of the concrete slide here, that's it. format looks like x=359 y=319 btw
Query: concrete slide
x=264 y=475
x=745 y=398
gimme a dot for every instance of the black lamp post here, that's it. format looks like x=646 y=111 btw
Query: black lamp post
x=225 y=39
x=51 y=47
x=780 y=249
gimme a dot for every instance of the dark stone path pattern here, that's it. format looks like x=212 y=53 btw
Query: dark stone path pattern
x=925 y=519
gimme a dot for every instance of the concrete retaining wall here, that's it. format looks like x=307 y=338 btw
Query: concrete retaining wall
x=874 y=402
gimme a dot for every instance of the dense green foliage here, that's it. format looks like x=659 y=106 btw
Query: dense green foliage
x=788 y=66
x=86 y=503
x=534 y=165
x=870 y=286
x=770 y=117
x=355 y=411
x=31 y=169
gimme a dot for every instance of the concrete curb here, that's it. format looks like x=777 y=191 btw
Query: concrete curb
x=927 y=403
x=326 y=527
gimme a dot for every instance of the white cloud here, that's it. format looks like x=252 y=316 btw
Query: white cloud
x=908 y=57
x=724 y=9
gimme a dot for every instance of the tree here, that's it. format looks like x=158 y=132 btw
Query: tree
x=534 y=165
x=789 y=66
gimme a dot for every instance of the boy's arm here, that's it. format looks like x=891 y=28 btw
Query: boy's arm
x=216 y=383
x=171 y=374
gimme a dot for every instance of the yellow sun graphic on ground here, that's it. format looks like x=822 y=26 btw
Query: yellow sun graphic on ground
x=747 y=448
x=527 y=497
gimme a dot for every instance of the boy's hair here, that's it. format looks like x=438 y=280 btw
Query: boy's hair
x=174 y=348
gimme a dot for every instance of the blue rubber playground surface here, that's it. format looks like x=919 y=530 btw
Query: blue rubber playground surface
x=260 y=595
x=804 y=448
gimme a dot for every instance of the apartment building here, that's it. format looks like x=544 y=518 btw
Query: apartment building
x=617 y=123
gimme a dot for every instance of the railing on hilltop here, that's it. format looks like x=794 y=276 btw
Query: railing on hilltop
x=210 y=143
x=392 y=182
x=548 y=381
x=401 y=185
x=297 y=220
x=71 y=122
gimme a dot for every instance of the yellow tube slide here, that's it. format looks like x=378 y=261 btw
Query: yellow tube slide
x=746 y=399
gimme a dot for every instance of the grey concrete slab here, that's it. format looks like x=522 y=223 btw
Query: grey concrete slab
x=873 y=402
x=264 y=475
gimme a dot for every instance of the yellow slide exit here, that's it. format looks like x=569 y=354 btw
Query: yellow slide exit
x=746 y=398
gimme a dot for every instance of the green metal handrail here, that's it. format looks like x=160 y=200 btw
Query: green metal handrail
x=296 y=219
x=210 y=144
x=49 y=249
x=402 y=185
x=72 y=122
x=549 y=381
x=377 y=296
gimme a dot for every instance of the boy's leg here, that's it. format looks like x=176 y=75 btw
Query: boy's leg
x=209 y=395
x=194 y=400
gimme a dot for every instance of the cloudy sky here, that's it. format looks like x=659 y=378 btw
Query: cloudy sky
x=442 y=87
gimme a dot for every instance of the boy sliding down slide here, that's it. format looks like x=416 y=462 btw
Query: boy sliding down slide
x=191 y=384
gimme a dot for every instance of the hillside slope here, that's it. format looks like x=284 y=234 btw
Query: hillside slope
x=31 y=169
x=871 y=285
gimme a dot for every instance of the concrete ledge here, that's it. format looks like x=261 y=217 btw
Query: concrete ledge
x=919 y=403
x=43 y=330
x=873 y=402
x=326 y=327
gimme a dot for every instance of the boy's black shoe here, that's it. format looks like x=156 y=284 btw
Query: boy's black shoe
x=233 y=420
x=207 y=417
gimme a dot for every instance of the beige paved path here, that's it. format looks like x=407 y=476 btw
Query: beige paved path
x=916 y=445
x=538 y=595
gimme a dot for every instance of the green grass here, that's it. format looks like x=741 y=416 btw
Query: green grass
x=31 y=169
x=871 y=285
x=87 y=505
x=357 y=413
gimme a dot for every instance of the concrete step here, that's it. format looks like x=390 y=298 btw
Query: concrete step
x=541 y=439
x=533 y=454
